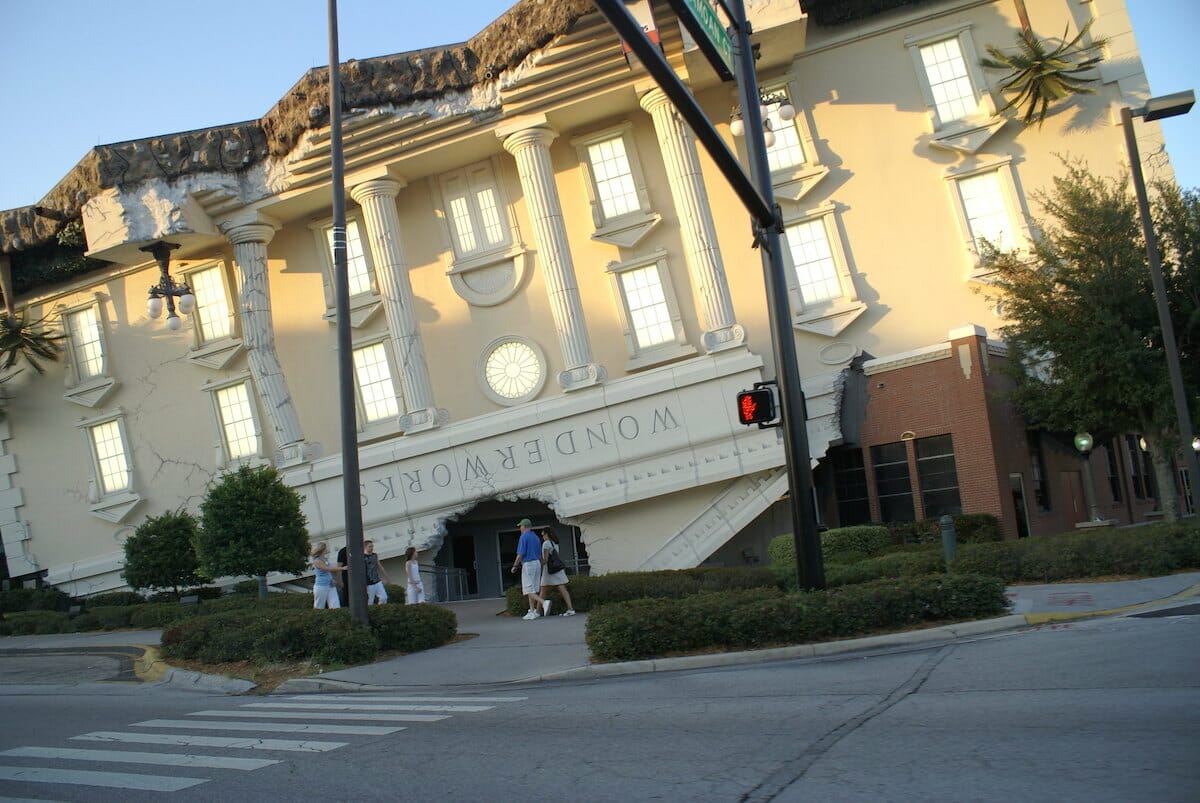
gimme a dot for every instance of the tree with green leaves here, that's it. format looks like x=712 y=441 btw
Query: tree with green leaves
x=1085 y=345
x=159 y=554
x=251 y=524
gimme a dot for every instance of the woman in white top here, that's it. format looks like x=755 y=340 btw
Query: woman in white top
x=414 y=593
x=556 y=579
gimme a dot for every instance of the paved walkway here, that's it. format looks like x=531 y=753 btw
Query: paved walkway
x=504 y=649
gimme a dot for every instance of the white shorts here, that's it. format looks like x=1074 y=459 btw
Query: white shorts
x=376 y=593
x=531 y=576
x=414 y=594
x=325 y=597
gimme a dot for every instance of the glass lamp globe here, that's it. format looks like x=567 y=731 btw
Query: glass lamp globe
x=769 y=138
x=187 y=303
x=1083 y=442
x=154 y=307
x=173 y=323
x=787 y=111
x=737 y=127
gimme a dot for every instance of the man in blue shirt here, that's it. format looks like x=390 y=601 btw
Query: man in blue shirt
x=529 y=559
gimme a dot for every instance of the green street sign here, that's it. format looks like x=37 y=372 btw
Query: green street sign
x=702 y=22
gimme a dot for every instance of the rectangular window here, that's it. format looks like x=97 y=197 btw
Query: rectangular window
x=892 y=482
x=647 y=304
x=474 y=210
x=87 y=346
x=237 y=421
x=850 y=487
x=376 y=392
x=1136 y=477
x=937 y=475
x=786 y=152
x=1114 y=475
x=986 y=212
x=108 y=447
x=813 y=261
x=1041 y=489
x=358 y=269
x=949 y=81
x=212 y=315
x=615 y=184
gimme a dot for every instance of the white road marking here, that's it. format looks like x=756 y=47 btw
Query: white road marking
x=114 y=780
x=466 y=709
x=133 y=757
x=276 y=727
x=466 y=698
x=189 y=740
x=321 y=715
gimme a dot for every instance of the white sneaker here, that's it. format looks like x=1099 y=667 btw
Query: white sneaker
x=530 y=615
x=569 y=612
x=545 y=607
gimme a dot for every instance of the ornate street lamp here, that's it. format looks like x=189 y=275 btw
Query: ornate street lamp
x=1156 y=109
x=167 y=290
x=1084 y=443
x=787 y=112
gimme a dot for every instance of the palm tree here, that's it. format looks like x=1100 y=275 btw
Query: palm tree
x=21 y=339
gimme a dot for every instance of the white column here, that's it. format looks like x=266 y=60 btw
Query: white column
x=378 y=201
x=258 y=335
x=696 y=227
x=531 y=147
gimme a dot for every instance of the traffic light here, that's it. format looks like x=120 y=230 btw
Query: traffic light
x=756 y=406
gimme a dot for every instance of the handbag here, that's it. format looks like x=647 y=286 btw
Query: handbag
x=554 y=563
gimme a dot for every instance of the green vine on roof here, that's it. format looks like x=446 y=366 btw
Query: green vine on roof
x=1039 y=75
x=54 y=262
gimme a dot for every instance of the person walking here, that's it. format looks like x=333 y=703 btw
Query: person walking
x=529 y=560
x=414 y=592
x=376 y=593
x=324 y=594
x=343 y=580
x=554 y=572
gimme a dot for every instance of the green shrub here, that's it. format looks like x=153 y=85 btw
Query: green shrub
x=161 y=614
x=33 y=599
x=112 y=617
x=906 y=563
x=159 y=554
x=651 y=628
x=267 y=635
x=34 y=623
x=114 y=598
x=412 y=627
x=200 y=592
x=587 y=592
x=846 y=544
x=969 y=528
x=84 y=622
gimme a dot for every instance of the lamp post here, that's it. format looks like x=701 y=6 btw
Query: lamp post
x=1084 y=443
x=167 y=290
x=1156 y=109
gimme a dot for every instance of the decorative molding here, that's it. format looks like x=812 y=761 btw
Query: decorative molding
x=362 y=309
x=627 y=231
x=115 y=507
x=491 y=279
x=830 y=322
x=970 y=139
x=797 y=185
x=92 y=392
x=940 y=351
x=217 y=355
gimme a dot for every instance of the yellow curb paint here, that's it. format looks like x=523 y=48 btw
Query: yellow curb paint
x=1045 y=618
x=150 y=668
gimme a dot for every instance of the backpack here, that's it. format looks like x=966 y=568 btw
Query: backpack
x=554 y=563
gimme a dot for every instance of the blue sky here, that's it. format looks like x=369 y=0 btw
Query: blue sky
x=77 y=73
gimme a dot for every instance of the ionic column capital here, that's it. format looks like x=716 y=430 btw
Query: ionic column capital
x=653 y=99
x=260 y=233
x=376 y=188
x=527 y=137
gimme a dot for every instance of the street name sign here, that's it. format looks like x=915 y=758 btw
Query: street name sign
x=702 y=22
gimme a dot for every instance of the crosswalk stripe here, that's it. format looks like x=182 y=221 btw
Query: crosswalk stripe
x=274 y=727
x=114 y=780
x=466 y=709
x=321 y=715
x=133 y=757
x=190 y=740
x=393 y=699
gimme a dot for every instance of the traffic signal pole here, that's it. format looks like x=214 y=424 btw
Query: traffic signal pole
x=757 y=195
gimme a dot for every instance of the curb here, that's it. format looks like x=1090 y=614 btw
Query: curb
x=1045 y=618
x=198 y=681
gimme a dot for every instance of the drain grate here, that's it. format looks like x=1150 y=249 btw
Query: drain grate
x=1182 y=610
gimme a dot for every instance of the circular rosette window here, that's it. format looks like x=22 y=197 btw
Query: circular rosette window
x=512 y=370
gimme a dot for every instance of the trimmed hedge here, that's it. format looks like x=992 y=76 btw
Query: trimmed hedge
x=33 y=599
x=33 y=623
x=412 y=628
x=588 y=592
x=908 y=563
x=1148 y=551
x=969 y=528
x=753 y=618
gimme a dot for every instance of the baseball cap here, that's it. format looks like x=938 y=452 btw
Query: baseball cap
x=525 y=523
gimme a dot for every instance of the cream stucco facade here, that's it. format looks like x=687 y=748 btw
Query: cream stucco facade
x=553 y=222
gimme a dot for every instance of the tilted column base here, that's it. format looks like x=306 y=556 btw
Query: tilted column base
x=423 y=419
x=582 y=376
x=291 y=454
x=725 y=338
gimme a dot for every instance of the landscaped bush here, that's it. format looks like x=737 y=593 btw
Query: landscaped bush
x=110 y=598
x=33 y=599
x=1147 y=551
x=846 y=544
x=907 y=563
x=200 y=592
x=587 y=592
x=741 y=619
x=33 y=623
x=412 y=627
x=969 y=528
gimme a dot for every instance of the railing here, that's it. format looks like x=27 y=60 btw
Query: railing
x=446 y=583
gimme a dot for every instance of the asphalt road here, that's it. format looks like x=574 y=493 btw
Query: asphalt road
x=1098 y=710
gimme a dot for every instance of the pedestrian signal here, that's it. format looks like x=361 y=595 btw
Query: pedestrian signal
x=756 y=406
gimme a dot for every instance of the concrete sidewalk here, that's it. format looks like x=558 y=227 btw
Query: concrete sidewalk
x=502 y=649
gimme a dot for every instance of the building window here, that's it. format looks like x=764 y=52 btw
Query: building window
x=937 y=476
x=213 y=318
x=850 y=487
x=237 y=421
x=892 y=482
x=650 y=317
x=613 y=179
x=990 y=212
x=359 y=274
x=108 y=450
x=1041 y=488
x=512 y=370
x=822 y=292
x=946 y=72
x=87 y=343
x=961 y=110
x=474 y=210
x=1114 y=474
x=360 y=270
x=376 y=391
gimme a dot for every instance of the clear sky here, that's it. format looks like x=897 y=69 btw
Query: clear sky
x=78 y=73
